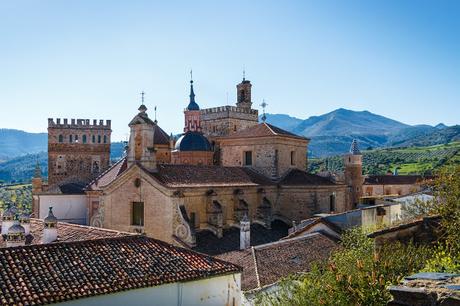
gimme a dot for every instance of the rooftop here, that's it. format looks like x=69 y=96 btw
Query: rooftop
x=394 y=179
x=58 y=272
x=300 y=177
x=67 y=232
x=263 y=130
x=266 y=264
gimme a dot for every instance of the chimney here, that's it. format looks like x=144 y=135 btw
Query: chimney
x=8 y=219
x=16 y=235
x=245 y=233
x=24 y=220
x=50 y=227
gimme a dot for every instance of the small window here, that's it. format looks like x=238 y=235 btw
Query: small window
x=61 y=138
x=83 y=138
x=98 y=138
x=234 y=127
x=76 y=138
x=94 y=139
x=332 y=202
x=248 y=158
x=138 y=214
x=105 y=139
x=292 y=158
x=70 y=138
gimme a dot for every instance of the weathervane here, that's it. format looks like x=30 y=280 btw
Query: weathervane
x=264 y=105
x=191 y=76
x=155 y=114
x=244 y=74
x=142 y=97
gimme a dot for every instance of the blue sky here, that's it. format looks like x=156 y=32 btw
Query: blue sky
x=91 y=59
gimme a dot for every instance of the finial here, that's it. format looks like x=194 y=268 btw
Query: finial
x=191 y=76
x=264 y=105
x=244 y=74
x=155 y=114
x=142 y=108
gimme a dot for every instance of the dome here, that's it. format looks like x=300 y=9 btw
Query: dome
x=193 y=141
x=16 y=229
x=193 y=106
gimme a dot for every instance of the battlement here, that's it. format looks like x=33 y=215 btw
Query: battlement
x=229 y=109
x=79 y=123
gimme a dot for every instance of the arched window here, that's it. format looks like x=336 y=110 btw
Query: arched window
x=94 y=139
x=83 y=138
x=61 y=138
x=98 y=138
x=70 y=138
x=105 y=139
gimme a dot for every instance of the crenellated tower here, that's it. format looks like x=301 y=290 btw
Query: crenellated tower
x=78 y=150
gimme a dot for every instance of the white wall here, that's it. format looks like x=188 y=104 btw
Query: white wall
x=215 y=291
x=67 y=208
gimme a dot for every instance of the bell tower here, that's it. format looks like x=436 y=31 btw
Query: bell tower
x=141 y=148
x=192 y=112
x=353 y=162
x=244 y=93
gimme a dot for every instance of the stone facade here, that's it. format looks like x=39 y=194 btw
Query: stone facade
x=270 y=155
x=354 y=178
x=192 y=157
x=227 y=120
x=78 y=151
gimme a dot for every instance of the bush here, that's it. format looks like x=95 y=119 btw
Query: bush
x=354 y=275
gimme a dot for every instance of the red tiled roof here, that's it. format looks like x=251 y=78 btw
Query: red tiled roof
x=68 y=232
x=160 y=136
x=266 y=264
x=262 y=130
x=210 y=176
x=53 y=273
x=299 y=177
x=393 y=179
x=109 y=175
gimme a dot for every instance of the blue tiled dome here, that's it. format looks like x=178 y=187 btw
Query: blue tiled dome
x=193 y=141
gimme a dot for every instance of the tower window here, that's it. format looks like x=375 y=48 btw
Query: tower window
x=248 y=158
x=76 y=138
x=70 y=138
x=61 y=138
x=105 y=139
x=292 y=158
x=98 y=138
x=137 y=215
x=94 y=139
x=83 y=138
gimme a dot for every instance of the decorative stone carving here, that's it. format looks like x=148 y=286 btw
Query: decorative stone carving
x=182 y=226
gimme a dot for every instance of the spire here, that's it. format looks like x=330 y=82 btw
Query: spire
x=38 y=170
x=354 y=149
x=192 y=104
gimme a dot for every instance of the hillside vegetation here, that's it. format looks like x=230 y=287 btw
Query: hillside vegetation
x=414 y=160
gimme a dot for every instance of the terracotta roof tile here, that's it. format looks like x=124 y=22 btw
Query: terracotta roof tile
x=160 y=136
x=109 y=175
x=273 y=261
x=263 y=130
x=299 y=177
x=190 y=176
x=393 y=179
x=68 y=232
x=53 y=273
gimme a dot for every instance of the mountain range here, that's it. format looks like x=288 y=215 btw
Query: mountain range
x=332 y=133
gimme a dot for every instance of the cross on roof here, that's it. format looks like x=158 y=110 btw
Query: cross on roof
x=264 y=105
x=142 y=96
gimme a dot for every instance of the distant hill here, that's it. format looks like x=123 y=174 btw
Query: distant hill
x=415 y=160
x=332 y=133
x=21 y=169
x=15 y=142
